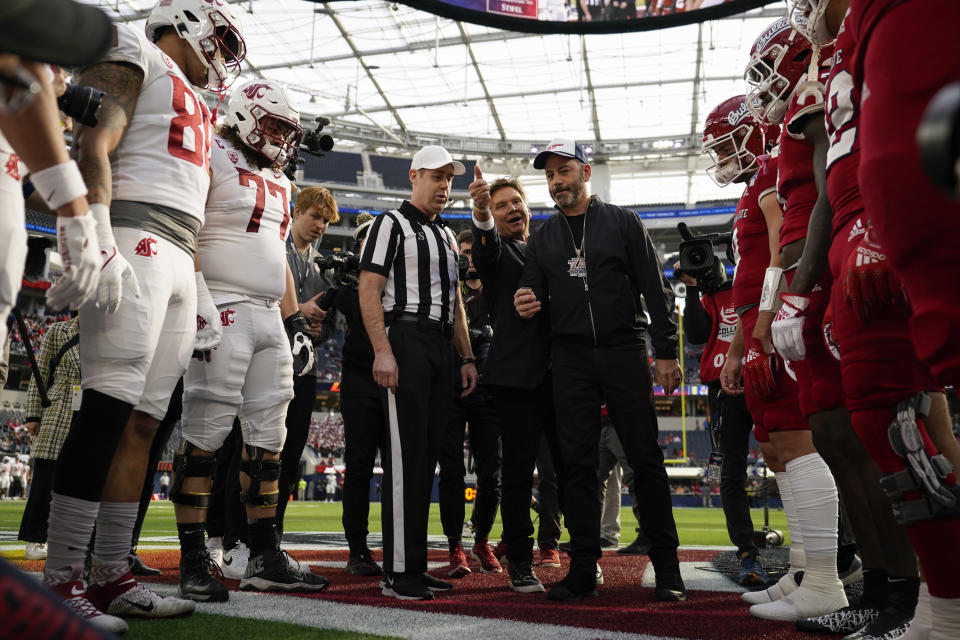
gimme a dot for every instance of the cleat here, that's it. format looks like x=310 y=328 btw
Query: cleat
x=845 y=620
x=215 y=549
x=139 y=568
x=270 y=571
x=481 y=553
x=751 y=572
x=889 y=624
x=802 y=603
x=198 y=580
x=35 y=551
x=434 y=584
x=670 y=587
x=234 y=564
x=363 y=564
x=853 y=573
x=549 y=557
x=784 y=587
x=639 y=547
x=128 y=598
x=405 y=586
x=500 y=553
x=76 y=599
x=573 y=587
x=523 y=579
x=458 y=563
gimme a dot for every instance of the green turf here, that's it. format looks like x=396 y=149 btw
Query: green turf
x=696 y=526
x=214 y=627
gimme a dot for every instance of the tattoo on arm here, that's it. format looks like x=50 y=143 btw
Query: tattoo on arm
x=120 y=83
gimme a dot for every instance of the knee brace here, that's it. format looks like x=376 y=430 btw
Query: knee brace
x=923 y=473
x=186 y=466
x=259 y=470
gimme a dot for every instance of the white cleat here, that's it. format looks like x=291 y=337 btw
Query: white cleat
x=130 y=599
x=784 y=587
x=75 y=598
x=215 y=549
x=234 y=563
x=802 y=603
x=35 y=551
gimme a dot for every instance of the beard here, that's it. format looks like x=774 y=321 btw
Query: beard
x=567 y=197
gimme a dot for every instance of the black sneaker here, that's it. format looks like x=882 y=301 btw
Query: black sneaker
x=405 y=586
x=574 y=587
x=608 y=544
x=197 y=581
x=845 y=620
x=639 y=547
x=270 y=571
x=670 y=587
x=139 y=568
x=363 y=564
x=889 y=624
x=523 y=579
x=434 y=584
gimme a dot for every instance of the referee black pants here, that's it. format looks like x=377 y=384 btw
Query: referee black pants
x=299 y=412
x=417 y=415
x=583 y=377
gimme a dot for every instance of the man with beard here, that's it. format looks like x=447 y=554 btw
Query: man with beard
x=598 y=290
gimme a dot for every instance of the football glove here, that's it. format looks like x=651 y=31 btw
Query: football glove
x=787 y=326
x=209 y=327
x=80 y=252
x=869 y=282
x=301 y=343
x=759 y=369
x=115 y=270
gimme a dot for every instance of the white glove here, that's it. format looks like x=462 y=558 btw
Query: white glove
x=787 y=327
x=115 y=270
x=209 y=327
x=80 y=252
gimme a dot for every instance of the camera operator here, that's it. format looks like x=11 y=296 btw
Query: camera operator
x=477 y=411
x=709 y=318
x=313 y=210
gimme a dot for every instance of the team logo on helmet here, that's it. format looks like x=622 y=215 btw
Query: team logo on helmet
x=254 y=91
x=737 y=116
x=776 y=28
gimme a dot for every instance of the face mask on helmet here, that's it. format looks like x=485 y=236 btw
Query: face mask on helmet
x=778 y=61
x=733 y=141
x=266 y=121
x=808 y=17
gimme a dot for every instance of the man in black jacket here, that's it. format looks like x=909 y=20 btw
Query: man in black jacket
x=517 y=377
x=599 y=271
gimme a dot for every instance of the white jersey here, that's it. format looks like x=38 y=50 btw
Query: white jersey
x=241 y=246
x=164 y=155
x=5 y=473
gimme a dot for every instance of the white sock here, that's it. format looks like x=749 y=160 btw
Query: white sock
x=114 y=535
x=784 y=586
x=946 y=618
x=70 y=527
x=922 y=618
x=817 y=506
x=798 y=560
x=802 y=603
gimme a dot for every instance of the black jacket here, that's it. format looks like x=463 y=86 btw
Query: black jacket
x=518 y=354
x=623 y=278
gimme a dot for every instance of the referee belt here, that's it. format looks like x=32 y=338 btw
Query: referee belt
x=425 y=325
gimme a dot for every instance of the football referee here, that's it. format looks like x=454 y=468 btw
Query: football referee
x=411 y=307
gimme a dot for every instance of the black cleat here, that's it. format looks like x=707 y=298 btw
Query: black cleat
x=270 y=571
x=523 y=579
x=845 y=621
x=139 y=568
x=639 y=547
x=363 y=564
x=891 y=623
x=574 y=587
x=197 y=578
x=435 y=584
x=405 y=586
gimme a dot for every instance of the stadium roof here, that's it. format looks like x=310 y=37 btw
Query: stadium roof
x=392 y=78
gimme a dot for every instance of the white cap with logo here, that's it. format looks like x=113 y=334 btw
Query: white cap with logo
x=434 y=156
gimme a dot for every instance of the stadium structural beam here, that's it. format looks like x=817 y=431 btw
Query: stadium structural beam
x=590 y=92
x=695 y=112
x=483 y=82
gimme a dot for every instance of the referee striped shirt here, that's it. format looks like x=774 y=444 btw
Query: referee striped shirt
x=418 y=257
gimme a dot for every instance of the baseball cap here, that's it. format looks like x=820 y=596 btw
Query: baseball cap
x=434 y=156
x=561 y=147
x=61 y=32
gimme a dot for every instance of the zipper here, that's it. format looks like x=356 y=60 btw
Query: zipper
x=586 y=285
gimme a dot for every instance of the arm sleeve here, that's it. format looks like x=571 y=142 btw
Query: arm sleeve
x=649 y=278
x=381 y=246
x=697 y=322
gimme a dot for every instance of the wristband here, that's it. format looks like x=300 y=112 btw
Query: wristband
x=771 y=287
x=467 y=360
x=59 y=184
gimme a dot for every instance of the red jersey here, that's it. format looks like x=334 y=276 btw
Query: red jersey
x=843 y=114
x=719 y=306
x=751 y=245
x=796 y=188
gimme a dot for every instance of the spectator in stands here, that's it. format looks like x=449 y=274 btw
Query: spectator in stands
x=59 y=366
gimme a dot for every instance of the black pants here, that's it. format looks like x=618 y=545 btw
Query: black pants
x=583 y=377
x=735 y=428
x=611 y=453
x=298 y=428
x=364 y=424
x=477 y=411
x=526 y=416
x=33 y=524
x=548 y=493
x=417 y=415
x=227 y=515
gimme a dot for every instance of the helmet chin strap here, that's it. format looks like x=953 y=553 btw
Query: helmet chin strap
x=811 y=85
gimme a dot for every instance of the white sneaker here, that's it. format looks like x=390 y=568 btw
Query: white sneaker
x=802 y=603
x=784 y=587
x=35 y=551
x=75 y=598
x=215 y=549
x=234 y=563
x=133 y=600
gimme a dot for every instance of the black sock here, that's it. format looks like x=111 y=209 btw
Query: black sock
x=874 y=589
x=191 y=536
x=263 y=535
x=902 y=593
x=845 y=554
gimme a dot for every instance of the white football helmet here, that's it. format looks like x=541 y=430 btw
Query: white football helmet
x=213 y=32
x=808 y=17
x=266 y=120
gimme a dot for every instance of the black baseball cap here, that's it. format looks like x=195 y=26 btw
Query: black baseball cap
x=61 y=32
x=561 y=147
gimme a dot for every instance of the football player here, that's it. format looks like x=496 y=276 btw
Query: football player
x=147 y=171
x=243 y=253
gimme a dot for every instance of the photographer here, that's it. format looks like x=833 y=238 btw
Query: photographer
x=313 y=210
x=710 y=318
x=477 y=411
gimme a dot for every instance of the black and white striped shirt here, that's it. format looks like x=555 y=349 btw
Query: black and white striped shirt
x=418 y=257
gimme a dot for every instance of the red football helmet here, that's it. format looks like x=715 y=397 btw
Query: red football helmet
x=733 y=139
x=809 y=17
x=778 y=61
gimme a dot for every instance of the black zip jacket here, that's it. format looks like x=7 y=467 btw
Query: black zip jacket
x=624 y=277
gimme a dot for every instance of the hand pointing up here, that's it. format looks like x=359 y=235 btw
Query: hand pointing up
x=479 y=191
